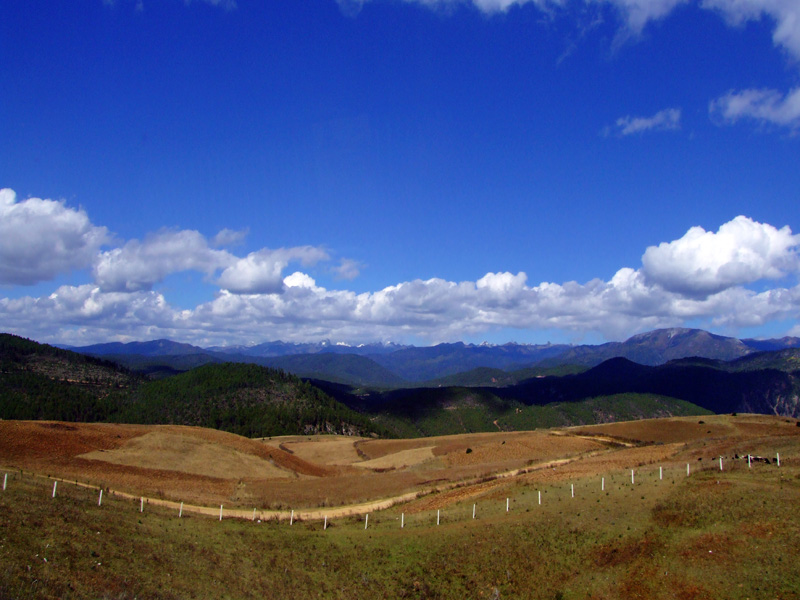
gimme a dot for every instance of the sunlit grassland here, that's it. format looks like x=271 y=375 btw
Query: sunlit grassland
x=730 y=534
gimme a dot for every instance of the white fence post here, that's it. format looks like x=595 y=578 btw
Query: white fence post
x=720 y=463
x=220 y=512
x=141 y=505
x=366 y=521
x=778 y=458
x=602 y=484
x=180 y=512
x=402 y=520
x=325 y=526
x=291 y=517
x=5 y=481
x=632 y=481
x=437 y=516
x=687 y=469
x=572 y=490
x=749 y=465
x=660 y=473
x=55 y=483
x=473 y=510
x=540 y=497
x=507 y=505
x=100 y=499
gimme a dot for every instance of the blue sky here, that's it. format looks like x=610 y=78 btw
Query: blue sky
x=223 y=172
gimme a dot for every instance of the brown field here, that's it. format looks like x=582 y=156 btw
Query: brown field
x=208 y=468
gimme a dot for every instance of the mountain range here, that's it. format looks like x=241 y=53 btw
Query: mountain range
x=42 y=382
x=393 y=365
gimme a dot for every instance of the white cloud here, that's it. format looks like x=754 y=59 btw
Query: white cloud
x=785 y=14
x=638 y=13
x=262 y=272
x=741 y=252
x=348 y=269
x=765 y=106
x=139 y=265
x=700 y=277
x=664 y=120
x=229 y=237
x=40 y=239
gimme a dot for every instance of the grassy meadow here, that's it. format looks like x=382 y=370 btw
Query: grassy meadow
x=730 y=534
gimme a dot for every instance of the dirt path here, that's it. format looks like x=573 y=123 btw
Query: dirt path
x=464 y=490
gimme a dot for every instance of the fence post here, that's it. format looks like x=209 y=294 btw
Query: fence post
x=720 y=463
x=5 y=481
x=55 y=483
x=402 y=520
x=687 y=469
x=180 y=512
x=437 y=516
x=473 y=511
x=778 y=458
x=540 y=497
x=220 y=512
x=366 y=521
x=660 y=473
x=141 y=505
x=507 y=506
x=632 y=481
x=602 y=484
x=100 y=499
x=291 y=517
x=572 y=490
x=325 y=526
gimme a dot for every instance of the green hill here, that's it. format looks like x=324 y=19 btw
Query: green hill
x=448 y=411
x=245 y=399
x=38 y=381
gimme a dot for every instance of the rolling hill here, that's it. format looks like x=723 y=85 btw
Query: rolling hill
x=43 y=382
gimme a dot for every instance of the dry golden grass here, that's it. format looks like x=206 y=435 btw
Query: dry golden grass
x=210 y=468
x=324 y=450
x=189 y=453
x=399 y=460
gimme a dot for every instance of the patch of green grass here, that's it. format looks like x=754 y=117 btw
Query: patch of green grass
x=681 y=537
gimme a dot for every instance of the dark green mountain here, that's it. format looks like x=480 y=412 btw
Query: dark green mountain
x=245 y=399
x=42 y=382
x=38 y=381
x=454 y=410
x=766 y=391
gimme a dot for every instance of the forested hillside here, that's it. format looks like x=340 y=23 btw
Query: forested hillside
x=38 y=381
x=245 y=399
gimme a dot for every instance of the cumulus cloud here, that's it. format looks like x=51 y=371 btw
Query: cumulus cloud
x=262 y=272
x=741 y=252
x=768 y=107
x=701 y=277
x=40 y=239
x=664 y=120
x=138 y=265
